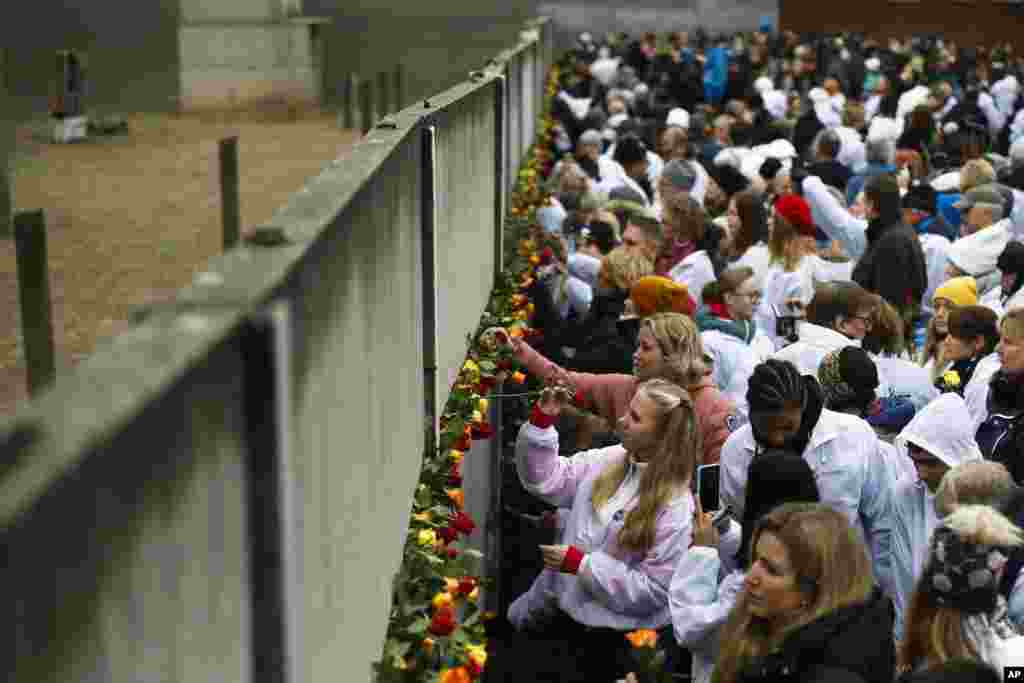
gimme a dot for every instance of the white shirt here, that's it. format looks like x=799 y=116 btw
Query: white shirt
x=695 y=271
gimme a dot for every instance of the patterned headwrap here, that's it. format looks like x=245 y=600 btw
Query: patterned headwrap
x=963 y=575
x=848 y=378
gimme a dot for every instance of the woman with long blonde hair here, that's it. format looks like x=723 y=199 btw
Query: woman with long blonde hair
x=629 y=524
x=668 y=347
x=809 y=610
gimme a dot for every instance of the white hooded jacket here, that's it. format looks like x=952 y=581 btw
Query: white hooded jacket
x=815 y=343
x=733 y=362
x=976 y=254
x=940 y=429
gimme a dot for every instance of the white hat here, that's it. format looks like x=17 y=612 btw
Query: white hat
x=763 y=85
x=678 y=117
x=872 y=64
x=911 y=99
x=940 y=429
x=977 y=254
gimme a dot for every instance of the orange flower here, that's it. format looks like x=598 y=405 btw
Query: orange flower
x=457 y=497
x=451 y=585
x=535 y=260
x=457 y=675
x=518 y=377
x=515 y=332
x=428 y=645
x=644 y=637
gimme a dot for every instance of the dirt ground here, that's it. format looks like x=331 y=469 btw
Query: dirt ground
x=130 y=218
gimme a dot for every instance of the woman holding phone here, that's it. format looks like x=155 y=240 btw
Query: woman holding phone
x=629 y=524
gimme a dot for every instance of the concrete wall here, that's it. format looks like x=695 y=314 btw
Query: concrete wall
x=131 y=48
x=601 y=16
x=231 y=64
x=438 y=44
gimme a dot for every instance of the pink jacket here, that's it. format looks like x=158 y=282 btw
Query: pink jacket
x=614 y=588
x=609 y=397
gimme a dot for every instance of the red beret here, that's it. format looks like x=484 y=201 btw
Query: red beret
x=797 y=213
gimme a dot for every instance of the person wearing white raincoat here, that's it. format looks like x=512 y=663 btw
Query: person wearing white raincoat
x=937 y=439
x=709 y=578
x=842 y=450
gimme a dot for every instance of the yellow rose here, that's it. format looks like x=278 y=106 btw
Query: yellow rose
x=442 y=599
x=474 y=595
x=422 y=517
x=456 y=455
x=483 y=405
x=427 y=537
x=477 y=654
x=643 y=638
x=951 y=378
x=451 y=585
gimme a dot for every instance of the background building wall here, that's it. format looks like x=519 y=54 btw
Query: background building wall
x=983 y=22
x=131 y=50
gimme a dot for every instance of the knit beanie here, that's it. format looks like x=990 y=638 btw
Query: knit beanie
x=848 y=378
x=681 y=174
x=655 y=294
x=797 y=213
x=962 y=291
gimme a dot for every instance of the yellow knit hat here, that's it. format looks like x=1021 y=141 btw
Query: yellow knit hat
x=962 y=291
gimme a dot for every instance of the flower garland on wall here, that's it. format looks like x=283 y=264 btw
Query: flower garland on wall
x=436 y=632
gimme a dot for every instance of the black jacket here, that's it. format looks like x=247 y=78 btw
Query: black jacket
x=831 y=173
x=1006 y=411
x=893 y=266
x=850 y=643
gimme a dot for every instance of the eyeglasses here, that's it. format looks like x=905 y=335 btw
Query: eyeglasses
x=866 y=319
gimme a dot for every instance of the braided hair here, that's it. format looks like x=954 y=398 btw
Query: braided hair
x=775 y=385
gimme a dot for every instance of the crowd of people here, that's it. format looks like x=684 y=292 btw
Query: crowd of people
x=800 y=258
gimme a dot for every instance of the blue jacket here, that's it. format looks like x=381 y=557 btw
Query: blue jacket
x=716 y=74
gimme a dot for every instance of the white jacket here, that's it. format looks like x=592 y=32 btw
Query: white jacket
x=815 y=343
x=899 y=376
x=779 y=287
x=694 y=271
x=941 y=430
x=733 y=362
x=702 y=593
x=757 y=259
x=936 y=249
x=976 y=391
x=977 y=253
x=850 y=470
x=834 y=220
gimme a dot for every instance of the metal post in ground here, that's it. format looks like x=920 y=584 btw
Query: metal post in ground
x=34 y=299
x=384 y=88
x=366 y=105
x=230 y=216
x=399 y=87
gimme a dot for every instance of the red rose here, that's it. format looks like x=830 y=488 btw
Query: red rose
x=452 y=553
x=486 y=384
x=466 y=585
x=464 y=443
x=482 y=431
x=448 y=534
x=474 y=668
x=463 y=523
x=547 y=256
x=443 y=622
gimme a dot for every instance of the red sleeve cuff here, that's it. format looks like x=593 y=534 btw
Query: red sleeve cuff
x=573 y=559
x=538 y=418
